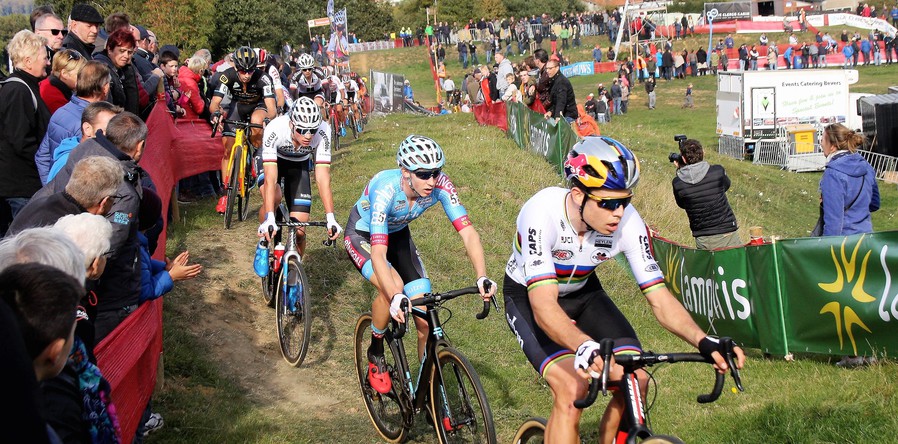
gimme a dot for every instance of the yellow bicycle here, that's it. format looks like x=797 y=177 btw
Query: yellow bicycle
x=242 y=172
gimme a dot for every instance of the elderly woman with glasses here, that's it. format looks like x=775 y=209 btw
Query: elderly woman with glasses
x=125 y=90
x=56 y=90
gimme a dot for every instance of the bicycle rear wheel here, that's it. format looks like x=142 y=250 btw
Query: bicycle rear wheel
x=663 y=439
x=383 y=409
x=294 y=312
x=233 y=192
x=458 y=402
x=270 y=282
x=532 y=431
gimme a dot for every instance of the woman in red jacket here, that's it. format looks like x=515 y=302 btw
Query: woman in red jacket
x=56 y=90
x=189 y=76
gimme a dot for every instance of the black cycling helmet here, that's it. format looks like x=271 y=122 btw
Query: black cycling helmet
x=245 y=59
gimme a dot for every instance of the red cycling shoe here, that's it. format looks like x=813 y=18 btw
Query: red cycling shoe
x=222 y=205
x=378 y=376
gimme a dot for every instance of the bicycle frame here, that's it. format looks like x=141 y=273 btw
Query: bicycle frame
x=413 y=397
x=239 y=141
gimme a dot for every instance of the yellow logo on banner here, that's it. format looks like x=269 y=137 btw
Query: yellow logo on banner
x=672 y=261
x=845 y=276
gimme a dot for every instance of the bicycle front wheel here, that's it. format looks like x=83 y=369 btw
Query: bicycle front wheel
x=248 y=182
x=233 y=191
x=294 y=312
x=458 y=402
x=353 y=125
x=532 y=431
x=335 y=132
x=383 y=409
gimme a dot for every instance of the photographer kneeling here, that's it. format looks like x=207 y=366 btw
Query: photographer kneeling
x=700 y=189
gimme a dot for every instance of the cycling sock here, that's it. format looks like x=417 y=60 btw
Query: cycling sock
x=377 y=344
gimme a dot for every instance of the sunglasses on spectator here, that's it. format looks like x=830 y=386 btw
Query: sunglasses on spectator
x=427 y=174
x=64 y=32
x=73 y=55
x=611 y=203
x=304 y=131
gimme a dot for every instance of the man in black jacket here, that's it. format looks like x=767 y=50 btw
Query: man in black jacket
x=700 y=189
x=119 y=288
x=562 y=102
x=84 y=24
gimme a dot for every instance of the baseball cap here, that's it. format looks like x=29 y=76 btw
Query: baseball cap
x=82 y=12
x=143 y=32
x=172 y=49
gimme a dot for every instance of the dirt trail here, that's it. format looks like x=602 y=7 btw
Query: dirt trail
x=232 y=319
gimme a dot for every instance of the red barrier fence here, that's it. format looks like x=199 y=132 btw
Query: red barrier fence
x=492 y=114
x=128 y=356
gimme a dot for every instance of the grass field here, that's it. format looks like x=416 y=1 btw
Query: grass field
x=209 y=398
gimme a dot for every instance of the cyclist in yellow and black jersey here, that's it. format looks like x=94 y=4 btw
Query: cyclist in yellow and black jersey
x=252 y=99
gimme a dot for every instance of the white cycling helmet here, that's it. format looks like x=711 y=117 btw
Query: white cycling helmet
x=420 y=153
x=306 y=61
x=305 y=114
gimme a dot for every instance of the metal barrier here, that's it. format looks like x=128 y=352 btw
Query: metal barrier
x=886 y=167
x=731 y=146
x=771 y=152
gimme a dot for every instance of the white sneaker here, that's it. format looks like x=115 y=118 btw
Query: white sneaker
x=154 y=423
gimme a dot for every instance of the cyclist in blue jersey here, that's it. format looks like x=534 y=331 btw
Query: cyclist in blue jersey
x=380 y=244
x=554 y=301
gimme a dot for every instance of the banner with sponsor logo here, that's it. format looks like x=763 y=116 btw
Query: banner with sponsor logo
x=370 y=46
x=579 y=69
x=830 y=295
x=726 y=11
x=530 y=130
x=386 y=91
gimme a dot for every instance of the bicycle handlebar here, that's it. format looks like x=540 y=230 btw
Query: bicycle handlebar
x=295 y=223
x=631 y=363
x=435 y=298
x=234 y=122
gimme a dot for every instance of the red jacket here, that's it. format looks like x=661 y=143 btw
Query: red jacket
x=53 y=95
x=190 y=88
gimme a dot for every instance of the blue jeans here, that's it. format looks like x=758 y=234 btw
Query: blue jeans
x=617 y=109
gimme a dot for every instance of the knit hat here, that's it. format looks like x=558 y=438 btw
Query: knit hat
x=82 y=12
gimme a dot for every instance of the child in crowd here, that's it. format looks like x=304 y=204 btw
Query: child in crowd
x=687 y=103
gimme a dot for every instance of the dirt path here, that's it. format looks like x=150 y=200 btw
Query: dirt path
x=239 y=328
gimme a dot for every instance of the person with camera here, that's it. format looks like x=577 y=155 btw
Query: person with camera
x=700 y=189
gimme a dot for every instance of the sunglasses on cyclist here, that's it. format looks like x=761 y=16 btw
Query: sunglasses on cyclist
x=306 y=69
x=55 y=32
x=304 y=131
x=246 y=73
x=427 y=174
x=611 y=203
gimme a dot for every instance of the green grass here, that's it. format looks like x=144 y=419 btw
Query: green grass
x=806 y=401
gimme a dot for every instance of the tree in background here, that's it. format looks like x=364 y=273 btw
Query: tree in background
x=187 y=22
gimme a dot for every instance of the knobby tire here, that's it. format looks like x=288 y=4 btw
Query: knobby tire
x=233 y=192
x=294 y=323
x=469 y=418
x=532 y=431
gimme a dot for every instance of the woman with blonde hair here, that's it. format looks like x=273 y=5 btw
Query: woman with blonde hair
x=56 y=90
x=189 y=75
x=848 y=189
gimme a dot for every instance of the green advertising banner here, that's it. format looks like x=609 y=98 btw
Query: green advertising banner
x=841 y=298
x=830 y=295
x=548 y=138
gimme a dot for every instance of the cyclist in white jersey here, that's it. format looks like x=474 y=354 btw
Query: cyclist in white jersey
x=351 y=89
x=562 y=236
x=335 y=93
x=291 y=144
x=307 y=81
